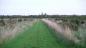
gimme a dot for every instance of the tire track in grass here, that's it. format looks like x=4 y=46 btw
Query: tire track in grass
x=38 y=36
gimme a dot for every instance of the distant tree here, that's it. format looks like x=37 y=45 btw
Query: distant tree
x=45 y=15
x=2 y=21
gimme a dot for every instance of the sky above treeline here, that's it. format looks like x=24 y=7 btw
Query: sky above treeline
x=36 y=7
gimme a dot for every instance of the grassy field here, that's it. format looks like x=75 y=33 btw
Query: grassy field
x=38 y=36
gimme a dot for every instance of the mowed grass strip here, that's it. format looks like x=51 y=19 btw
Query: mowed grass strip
x=38 y=36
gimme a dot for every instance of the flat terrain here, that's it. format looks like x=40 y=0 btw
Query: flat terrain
x=38 y=36
x=65 y=31
x=69 y=32
x=11 y=28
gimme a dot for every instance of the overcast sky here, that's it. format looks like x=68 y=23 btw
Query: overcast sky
x=28 y=7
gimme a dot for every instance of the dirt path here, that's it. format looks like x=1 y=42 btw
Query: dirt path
x=66 y=32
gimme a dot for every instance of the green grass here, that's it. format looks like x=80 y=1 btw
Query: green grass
x=38 y=36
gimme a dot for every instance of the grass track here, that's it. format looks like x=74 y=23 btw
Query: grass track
x=38 y=36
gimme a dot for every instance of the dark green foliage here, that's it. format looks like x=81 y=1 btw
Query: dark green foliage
x=19 y=20
x=82 y=22
x=2 y=23
x=74 y=24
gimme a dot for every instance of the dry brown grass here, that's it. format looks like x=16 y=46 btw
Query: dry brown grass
x=64 y=30
x=12 y=27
